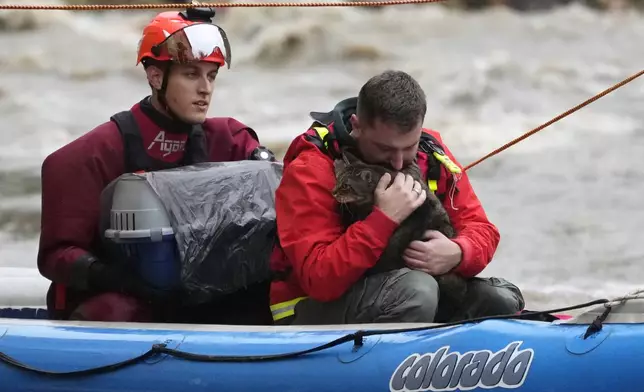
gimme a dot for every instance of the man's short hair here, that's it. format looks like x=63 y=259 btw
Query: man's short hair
x=393 y=97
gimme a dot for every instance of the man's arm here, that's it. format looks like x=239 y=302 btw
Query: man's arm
x=325 y=258
x=477 y=237
x=246 y=143
x=72 y=181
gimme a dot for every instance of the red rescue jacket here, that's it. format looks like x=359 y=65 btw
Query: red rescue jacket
x=323 y=259
x=74 y=176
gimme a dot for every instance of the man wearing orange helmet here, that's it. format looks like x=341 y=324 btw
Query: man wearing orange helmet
x=181 y=54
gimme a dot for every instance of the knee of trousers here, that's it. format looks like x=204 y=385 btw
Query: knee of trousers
x=499 y=296
x=416 y=294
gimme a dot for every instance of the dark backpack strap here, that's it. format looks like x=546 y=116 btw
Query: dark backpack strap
x=436 y=159
x=135 y=156
x=429 y=144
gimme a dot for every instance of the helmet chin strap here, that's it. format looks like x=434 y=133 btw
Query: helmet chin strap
x=162 y=90
x=161 y=95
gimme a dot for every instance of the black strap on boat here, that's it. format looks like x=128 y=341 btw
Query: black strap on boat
x=597 y=323
x=357 y=338
x=4 y=358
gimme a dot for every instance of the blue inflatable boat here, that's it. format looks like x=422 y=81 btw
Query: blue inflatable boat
x=599 y=350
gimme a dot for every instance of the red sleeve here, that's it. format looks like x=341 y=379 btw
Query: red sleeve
x=476 y=235
x=244 y=140
x=326 y=259
x=72 y=181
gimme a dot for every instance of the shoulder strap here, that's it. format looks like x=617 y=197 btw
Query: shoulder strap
x=435 y=157
x=320 y=135
x=431 y=146
x=135 y=156
x=428 y=144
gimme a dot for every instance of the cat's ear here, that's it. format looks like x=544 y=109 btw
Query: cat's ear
x=367 y=176
x=349 y=157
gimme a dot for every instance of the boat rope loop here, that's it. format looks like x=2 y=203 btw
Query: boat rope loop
x=97 y=7
x=357 y=338
x=554 y=120
x=597 y=324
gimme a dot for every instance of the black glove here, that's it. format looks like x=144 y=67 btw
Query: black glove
x=119 y=278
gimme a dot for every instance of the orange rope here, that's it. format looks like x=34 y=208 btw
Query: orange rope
x=88 y=7
x=554 y=120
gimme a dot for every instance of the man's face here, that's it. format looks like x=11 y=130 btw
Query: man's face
x=386 y=144
x=189 y=89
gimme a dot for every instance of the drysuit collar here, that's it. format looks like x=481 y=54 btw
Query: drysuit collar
x=166 y=123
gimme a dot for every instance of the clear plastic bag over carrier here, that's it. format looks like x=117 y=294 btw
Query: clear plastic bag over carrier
x=216 y=232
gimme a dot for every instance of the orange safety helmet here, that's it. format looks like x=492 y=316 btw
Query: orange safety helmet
x=183 y=37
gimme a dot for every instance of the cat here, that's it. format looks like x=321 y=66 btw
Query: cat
x=356 y=182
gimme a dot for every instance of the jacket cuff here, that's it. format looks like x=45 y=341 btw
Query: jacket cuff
x=79 y=272
x=381 y=225
x=467 y=267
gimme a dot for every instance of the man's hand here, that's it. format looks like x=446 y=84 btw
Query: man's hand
x=115 y=277
x=435 y=256
x=399 y=199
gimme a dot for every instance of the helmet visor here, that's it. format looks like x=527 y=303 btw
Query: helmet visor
x=196 y=42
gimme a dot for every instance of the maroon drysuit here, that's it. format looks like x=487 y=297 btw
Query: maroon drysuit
x=73 y=178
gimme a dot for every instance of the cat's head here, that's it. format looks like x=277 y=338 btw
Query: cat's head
x=356 y=180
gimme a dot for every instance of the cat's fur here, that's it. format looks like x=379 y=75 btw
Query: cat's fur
x=356 y=182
